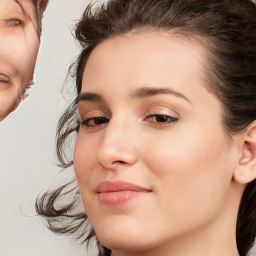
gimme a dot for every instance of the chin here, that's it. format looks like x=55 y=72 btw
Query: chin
x=125 y=244
x=123 y=239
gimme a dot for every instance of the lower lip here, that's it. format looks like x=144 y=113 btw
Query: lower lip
x=119 y=197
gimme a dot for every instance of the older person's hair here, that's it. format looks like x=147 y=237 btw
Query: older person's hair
x=227 y=29
x=40 y=7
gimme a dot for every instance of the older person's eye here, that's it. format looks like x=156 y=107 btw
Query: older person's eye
x=13 y=22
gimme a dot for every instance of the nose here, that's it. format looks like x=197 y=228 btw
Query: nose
x=118 y=147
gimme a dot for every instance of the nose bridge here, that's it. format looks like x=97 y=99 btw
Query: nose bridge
x=118 y=144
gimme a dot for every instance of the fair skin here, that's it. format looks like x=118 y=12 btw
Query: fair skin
x=19 y=46
x=147 y=119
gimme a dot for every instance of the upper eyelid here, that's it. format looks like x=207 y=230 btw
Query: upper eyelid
x=162 y=110
x=19 y=17
x=85 y=107
x=83 y=115
x=98 y=113
x=89 y=109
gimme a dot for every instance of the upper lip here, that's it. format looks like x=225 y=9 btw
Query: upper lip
x=4 y=78
x=116 y=186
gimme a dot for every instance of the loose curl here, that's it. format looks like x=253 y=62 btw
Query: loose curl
x=226 y=28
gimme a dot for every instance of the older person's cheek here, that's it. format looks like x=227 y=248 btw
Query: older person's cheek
x=9 y=99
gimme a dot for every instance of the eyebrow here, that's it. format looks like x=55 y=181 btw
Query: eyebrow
x=140 y=93
x=146 y=92
x=89 y=96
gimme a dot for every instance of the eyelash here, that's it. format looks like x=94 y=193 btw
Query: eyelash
x=98 y=121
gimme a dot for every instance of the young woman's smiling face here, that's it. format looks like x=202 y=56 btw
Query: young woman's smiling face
x=18 y=50
x=153 y=162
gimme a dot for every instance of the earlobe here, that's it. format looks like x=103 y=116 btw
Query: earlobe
x=246 y=167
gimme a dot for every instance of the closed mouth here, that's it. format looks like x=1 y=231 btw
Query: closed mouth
x=4 y=78
x=114 y=194
x=118 y=186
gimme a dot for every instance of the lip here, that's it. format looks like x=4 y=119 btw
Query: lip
x=119 y=192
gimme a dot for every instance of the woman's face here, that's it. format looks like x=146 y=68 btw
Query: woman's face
x=18 y=50
x=152 y=160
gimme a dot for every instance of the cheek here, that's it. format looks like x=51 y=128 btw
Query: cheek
x=8 y=101
x=84 y=159
x=199 y=151
x=27 y=46
x=192 y=171
x=84 y=166
x=20 y=49
x=29 y=54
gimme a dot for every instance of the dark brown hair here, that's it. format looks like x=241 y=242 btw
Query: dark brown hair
x=227 y=29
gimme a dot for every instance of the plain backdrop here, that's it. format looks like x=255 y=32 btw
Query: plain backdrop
x=27 y=142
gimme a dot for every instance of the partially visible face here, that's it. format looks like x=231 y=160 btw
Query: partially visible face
x=152 y=160
x=18 y=50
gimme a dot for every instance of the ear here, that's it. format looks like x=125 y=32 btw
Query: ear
x=246 y=167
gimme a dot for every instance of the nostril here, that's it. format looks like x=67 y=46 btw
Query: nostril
x=113 y=165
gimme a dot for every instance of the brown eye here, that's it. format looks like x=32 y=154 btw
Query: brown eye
x=161 y=118
x=94 y=121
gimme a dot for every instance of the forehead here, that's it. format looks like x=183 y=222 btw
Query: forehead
x=143 y=46
x=151 y=59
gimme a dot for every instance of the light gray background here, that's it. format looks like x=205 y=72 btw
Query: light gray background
x=27 y=152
